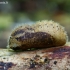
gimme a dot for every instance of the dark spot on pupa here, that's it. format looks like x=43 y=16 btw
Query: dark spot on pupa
x=29 y=28
x=57 y=26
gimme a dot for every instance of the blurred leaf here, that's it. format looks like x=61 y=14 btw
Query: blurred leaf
x=5 y=21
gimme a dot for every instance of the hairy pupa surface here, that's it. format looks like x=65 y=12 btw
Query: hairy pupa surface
x=42 y=34
x=54 y=29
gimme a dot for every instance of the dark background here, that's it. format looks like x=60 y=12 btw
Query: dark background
x=17 y=12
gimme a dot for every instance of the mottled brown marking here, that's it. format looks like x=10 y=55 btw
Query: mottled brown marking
x=35 y=40
x=18 y=32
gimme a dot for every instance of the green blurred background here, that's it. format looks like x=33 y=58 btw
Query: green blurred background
x=17 y=12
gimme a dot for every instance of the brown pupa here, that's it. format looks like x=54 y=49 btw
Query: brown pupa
x=43 y=34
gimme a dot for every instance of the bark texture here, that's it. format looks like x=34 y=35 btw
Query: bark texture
x=57 y=58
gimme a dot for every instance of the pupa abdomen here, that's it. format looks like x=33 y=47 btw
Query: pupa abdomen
x=42 y=34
